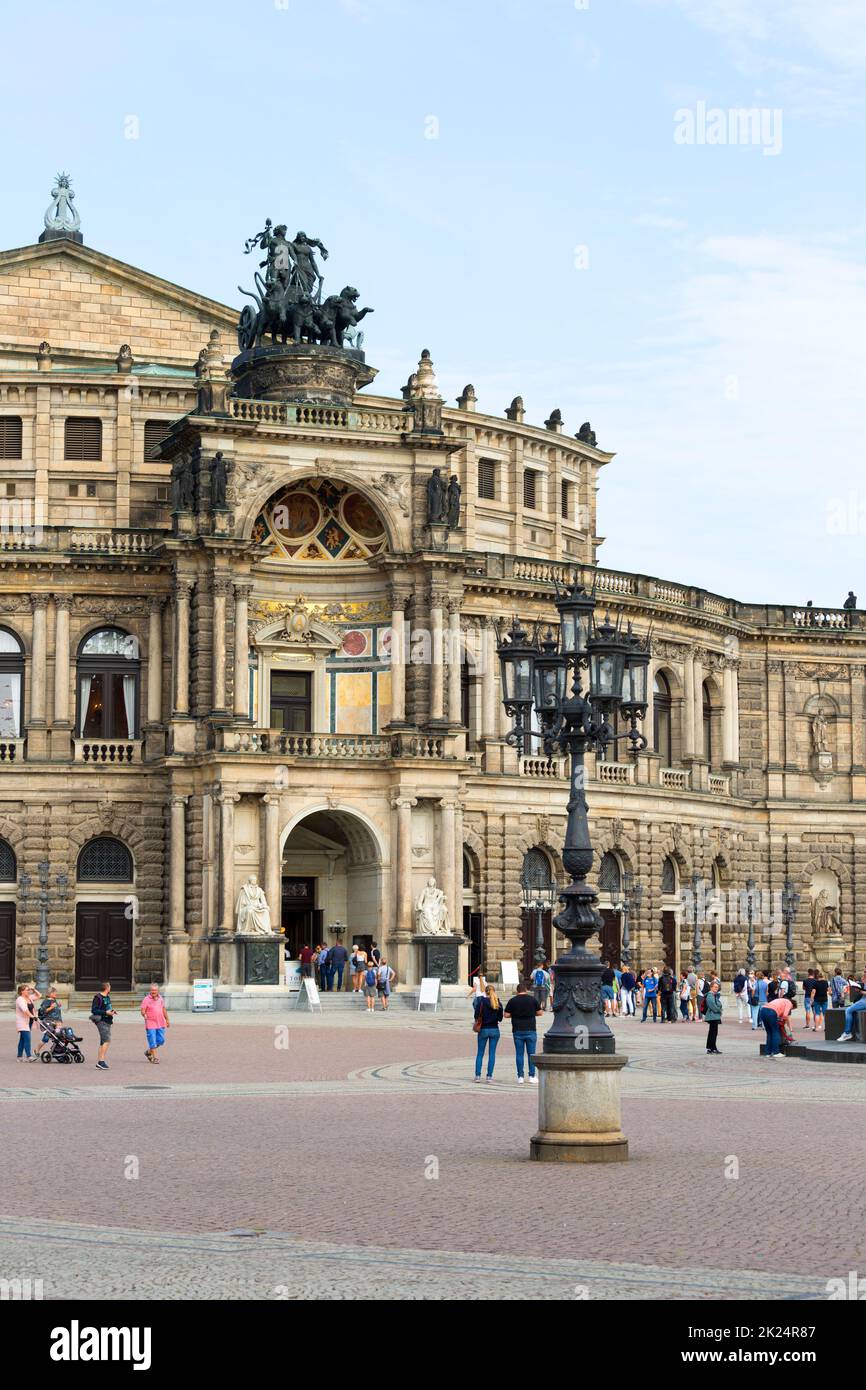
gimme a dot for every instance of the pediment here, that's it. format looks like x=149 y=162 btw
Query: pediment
x=86 y=304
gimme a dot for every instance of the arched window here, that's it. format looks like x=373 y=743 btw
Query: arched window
x=662 y=719
x=105 y=860
x=669 y=877
x=109 y=672
x=8 y=865
x=708 y=724
x=467 y=870
x=609 y=874
x=536 y=871
x=11 y=683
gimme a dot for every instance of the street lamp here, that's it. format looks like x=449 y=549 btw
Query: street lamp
x=537 y=672
x=697 y=886
x=790 y=903
x=629 y=905
x=46 y=898
x=750 y=918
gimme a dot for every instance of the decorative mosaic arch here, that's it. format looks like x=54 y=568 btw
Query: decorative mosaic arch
x=319 y=519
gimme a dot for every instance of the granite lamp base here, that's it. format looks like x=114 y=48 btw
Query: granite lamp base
x=579 y=1117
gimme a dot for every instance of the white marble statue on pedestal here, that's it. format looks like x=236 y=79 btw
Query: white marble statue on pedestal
x=252 y=911
x=431 y=912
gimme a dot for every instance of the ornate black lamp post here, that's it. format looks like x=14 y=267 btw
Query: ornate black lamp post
x=537 y=673
x=629 y=904
x=46 y=898
x=697 y=884
x=750 y=918
x=790 y=903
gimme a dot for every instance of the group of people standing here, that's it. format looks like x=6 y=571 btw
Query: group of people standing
x=521 y=1010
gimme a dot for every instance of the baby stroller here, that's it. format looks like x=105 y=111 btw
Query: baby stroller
x=63 y=1045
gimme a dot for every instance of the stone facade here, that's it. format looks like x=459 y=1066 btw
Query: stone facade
x=388 y=763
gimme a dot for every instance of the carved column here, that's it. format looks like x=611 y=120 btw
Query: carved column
x=489 y=719
x=448 y=856
x=61 y=659
x=182 y=595
x=219 y=592
x=648 y=725
x=399 y=651
x=272 y=869
x=727 y=711
x=177 y=878
x=227 y=860
x=455 y=713
x=698 y=735
x=735 y=711
x=154 y=662
x=404 y=906
x=242 y=651
x=437 y=709
x=688 y=726
x=39 y=606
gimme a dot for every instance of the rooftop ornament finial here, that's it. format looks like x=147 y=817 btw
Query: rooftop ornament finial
x=62 y=222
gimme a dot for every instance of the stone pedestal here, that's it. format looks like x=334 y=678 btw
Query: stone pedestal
x=442 y=957
x=301 y=372
x=579 y=1119
x=176 y=957
x=262 y=957
x=829 y=951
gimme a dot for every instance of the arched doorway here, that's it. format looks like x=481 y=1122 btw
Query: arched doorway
x=331 y=882
x=104 y=915
x=538 y=883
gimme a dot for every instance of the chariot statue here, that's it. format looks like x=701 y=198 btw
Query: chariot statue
x=288 y=297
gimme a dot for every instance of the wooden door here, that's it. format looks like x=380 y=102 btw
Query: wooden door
x=669 y=941
x=529 y=932
x=610 y=947
x=7 y=946
x=103 y=946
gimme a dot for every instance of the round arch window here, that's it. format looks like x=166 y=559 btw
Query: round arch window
x=11 y=683
x=109 y=675
x=8 y=863
x=105 y=860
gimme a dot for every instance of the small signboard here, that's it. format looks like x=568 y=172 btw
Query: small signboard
x=308 y=995
x=429 y=992
x=202 y=996
x=508 y=973
x=293 y=975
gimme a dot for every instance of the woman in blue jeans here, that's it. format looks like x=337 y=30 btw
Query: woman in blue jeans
x=488 y=1011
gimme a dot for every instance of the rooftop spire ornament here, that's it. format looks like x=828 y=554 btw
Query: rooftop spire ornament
x=62 y=222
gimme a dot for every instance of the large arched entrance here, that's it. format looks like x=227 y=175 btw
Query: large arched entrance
x=331 y=882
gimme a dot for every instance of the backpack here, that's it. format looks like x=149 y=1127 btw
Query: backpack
x=370 y=976
x=703 y=1003
x=538 y=977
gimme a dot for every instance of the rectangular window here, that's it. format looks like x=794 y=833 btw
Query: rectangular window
x=90 y=489
x=566 y=500
x=107 y=704
x=162 y=494
x=291 y=701
x=73 y=489
x=10 y=436
x=487 y=478
x=10 y=704
x=530 y=489
x=82 y=438
x=10 y=489
x=155 y=431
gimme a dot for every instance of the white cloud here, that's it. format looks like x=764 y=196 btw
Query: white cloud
x=660 y=224
x=833 y=28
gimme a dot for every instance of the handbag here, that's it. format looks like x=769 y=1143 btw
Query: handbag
x=479 y=1014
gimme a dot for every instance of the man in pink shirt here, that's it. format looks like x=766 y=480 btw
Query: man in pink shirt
x=153 y=1011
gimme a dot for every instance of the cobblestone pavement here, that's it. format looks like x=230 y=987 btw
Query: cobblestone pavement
x=366 y=1162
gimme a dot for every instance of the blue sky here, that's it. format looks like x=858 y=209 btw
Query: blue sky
x=702 y=304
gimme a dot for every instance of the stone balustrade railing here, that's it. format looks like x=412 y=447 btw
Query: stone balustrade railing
x=620 y=774
x=111 y=542
x=541 y=767
x=674 y=779
x=344 y=747
x=368 y=421
x=11 y=751
x=107 y=752
x=719 y=786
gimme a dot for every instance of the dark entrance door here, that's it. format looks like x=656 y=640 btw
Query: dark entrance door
x=473 y=927
x=610 y=937
x=529 y=930
x=300 y=916
x=669 y=939
x=103 y=946
x=7 y=945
